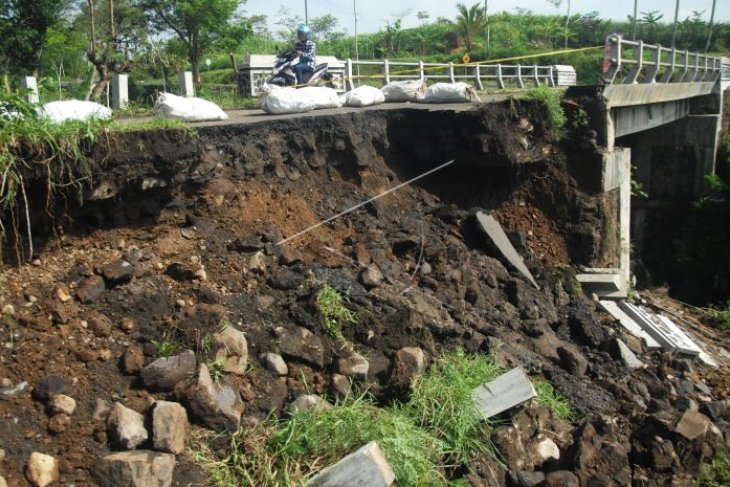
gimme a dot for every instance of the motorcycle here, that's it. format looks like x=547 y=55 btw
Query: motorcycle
x=283 y=75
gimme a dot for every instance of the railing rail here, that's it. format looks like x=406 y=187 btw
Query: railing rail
x=632 y=62
x=350 y=73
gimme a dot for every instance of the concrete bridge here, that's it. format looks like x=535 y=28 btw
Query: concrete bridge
x=659 y=112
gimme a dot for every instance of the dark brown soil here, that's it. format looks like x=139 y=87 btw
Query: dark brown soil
x=234 y=192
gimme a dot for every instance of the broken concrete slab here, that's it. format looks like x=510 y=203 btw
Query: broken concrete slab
x=365 y=467
x=662 y=329
x=601 y=284
x=506 y=391
x=496 y=234
x=612 y=308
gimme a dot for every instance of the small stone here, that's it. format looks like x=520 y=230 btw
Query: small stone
x=61 y=403
x=692 y=425
x=90 y=290
x=42 y=469
x=100 y=325
x=59 y=423
x=164 y=373
x=715 y=409
x=7 y=393
x=234 y=343
x=169 y=427
x=141 y=468
x=409 y=363
x=133 y=359
x=101 y=410
x=118 y=272
x=275 y=363
x=685 y=403
x=341 y=387
x=126 y=427
x=127 y=325
x=371 y=276
x=49 y=387
x=562 y=478
x=257 y=263
x=218 y=406
x=620 y=351
x=547 y=450
x=302 y=345
x=6 y=383
x=62 y=294
x=355 y=366
x=703 y=388
x=306 y=402
x=527 y=479
x=572 y=361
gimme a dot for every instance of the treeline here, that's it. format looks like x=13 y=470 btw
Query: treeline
x=84 y=42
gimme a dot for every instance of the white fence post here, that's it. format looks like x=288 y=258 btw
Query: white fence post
x=120 y=91
x=421 y=71
x=187 y=89
x=500 y=80
x=535 y=77
x=349 y=85
x=386 y=71
x=30 y=83
x=520 y=83
x=478 y=75
x=452 y=78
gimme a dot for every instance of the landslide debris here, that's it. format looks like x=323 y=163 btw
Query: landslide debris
x=196 y=270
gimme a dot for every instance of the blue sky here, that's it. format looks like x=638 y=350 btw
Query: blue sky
x=373 y=14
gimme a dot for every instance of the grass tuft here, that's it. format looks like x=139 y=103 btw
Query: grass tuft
x=550 y=99
x=332 y=311
x=442 y=403
x=548 y=396
x=716 y=472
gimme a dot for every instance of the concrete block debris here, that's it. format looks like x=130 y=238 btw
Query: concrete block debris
x=365 y=467
x=662 y=329
x=600 y=283
x=496 y=234
x=612 y=308
x=506 y=391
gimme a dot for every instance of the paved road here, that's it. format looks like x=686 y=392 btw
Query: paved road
x=259 y=116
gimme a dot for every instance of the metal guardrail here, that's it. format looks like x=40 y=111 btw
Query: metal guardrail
x=349 y=73
x=479 y=74
x=649 y=63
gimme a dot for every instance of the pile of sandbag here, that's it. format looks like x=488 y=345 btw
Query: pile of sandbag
x=450 y=93
x=176 y=107
x=64 y=110
x=403 y=91
x=292 y=100
x=363 y=96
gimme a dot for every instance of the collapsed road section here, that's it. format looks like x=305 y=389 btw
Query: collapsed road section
x=164 y=298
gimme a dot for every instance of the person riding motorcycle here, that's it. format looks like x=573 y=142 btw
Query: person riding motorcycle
x=306 y=48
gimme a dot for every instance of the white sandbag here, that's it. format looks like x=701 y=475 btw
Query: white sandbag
x=364 y=96
x=61 y=111
x=286 y=100
x=400 y=91
x=450 y=93
x=191 y=109
x=321 y=96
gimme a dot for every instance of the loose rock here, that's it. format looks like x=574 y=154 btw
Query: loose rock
x=164 y=373
x=90 y=290
x=42 y=469
x=355 y=366
x=275 y=363
x=126 y=427
x=302 y=345
x=305 y=402
x=135 y=469
x=169 y=427
x=49 y=387
x=133 y=359
x=692 y=425
x=235 y=347
x=61 y=403
x=218 y=406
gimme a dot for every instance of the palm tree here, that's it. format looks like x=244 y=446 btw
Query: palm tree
x=470 y=22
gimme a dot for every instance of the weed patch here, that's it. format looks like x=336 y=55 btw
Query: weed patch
x=549 y=397
x=332 y=311
x=716 y=472
x=550 y=99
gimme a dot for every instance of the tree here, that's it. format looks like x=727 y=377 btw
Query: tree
x=423 y=16
x=470 y=22
x=651 y=20
x=199 y=24
x=24 y=27
x=325 y=28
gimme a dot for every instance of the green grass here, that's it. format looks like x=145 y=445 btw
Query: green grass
x=550 y=99
x=164 y=349
x=716 y=472
x=423 y=440
x=441 y=402
x=719 y=316
x=332 y=311
x=148 y=125
x=548 y=396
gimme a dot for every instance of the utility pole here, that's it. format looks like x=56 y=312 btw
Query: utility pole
x=486 y=18
x=354 y=11
x=709 y=31
x=674 y=30
x=636 y=20
x=306 y=13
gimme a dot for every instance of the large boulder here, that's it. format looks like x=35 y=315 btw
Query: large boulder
x=141 y=468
